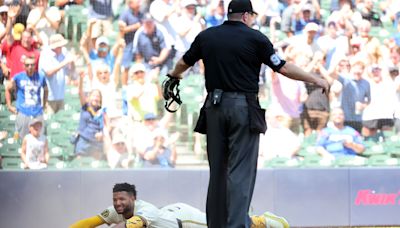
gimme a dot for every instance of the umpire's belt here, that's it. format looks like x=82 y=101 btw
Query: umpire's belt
x=233 y=98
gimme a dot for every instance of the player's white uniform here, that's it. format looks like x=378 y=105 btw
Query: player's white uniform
x=168 y=216
x=154 y=216
x=189 y=216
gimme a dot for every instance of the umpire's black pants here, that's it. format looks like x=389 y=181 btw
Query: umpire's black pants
x=232 y=154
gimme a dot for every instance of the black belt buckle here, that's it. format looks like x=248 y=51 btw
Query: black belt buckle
x=216 y=96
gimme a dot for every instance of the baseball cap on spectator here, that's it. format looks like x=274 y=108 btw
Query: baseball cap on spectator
x=150 y=116
x=375 y=67
x=356 y=41
x=102 y=40
x=136 y=68
x=3 y=8
x=57 y=40
x=240 y=6
x=17 y=31
x=118 y=138
x=34 y=121
x=160 y=133
x=311 y=27
x=186 y=3
x=306 y=7
x=393 y=69
x=331 y=24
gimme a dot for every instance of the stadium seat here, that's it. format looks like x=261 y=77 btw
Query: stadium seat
x=55 y=163
x=76 y=23
x=87 y=163
x=10 y=148
x=11 y=163
x=382 y=160
x=316 y=161
x=350 y=161
x=281 y=162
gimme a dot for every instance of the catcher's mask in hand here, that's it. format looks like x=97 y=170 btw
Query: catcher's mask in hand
x=170 y=88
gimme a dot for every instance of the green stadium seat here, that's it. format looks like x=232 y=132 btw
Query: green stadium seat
x=11 y=163
x=351 y=161
x=382 y=160
x=76 y=17
x=316 y=161
x=87 y=163
x=281 y=162
x=10 y=148
x=55 y=163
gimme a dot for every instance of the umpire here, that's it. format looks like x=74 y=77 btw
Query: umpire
x=231 y=117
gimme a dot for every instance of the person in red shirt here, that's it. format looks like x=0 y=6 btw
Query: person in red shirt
x=18 y=44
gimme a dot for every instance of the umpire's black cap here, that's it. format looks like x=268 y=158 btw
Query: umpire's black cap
x=240 y=6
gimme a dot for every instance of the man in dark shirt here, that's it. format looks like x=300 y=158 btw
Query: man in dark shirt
x=232 y=54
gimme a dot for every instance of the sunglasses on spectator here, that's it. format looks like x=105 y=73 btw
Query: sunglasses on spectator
x=29 y=64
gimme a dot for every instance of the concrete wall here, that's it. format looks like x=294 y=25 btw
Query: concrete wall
x=306 y=197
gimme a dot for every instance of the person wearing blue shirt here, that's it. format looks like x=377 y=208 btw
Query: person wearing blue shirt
x=56 y=65
x=29 y=85
x=338 y=139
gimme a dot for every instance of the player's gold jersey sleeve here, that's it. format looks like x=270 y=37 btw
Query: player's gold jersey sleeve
x=91 y=222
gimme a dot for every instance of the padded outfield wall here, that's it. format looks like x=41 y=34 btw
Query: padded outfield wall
x=306 y=197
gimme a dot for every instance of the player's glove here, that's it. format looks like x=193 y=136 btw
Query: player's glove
x=170 y=88
x=136 y=222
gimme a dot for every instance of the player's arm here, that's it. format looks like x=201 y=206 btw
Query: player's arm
x=91 y=222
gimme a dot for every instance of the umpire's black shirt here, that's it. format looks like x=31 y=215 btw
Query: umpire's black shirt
x=232 y=54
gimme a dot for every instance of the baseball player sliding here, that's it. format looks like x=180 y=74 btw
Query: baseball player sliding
x=128 y=212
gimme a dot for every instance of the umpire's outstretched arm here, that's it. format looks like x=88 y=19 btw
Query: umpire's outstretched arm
x=294 y=72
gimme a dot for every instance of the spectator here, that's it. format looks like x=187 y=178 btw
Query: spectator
x=91 y=124
x=288 y=16
x=306 y=43
x=45 y=19
x=55 y=65
x=215 y=14
x=368 y=13
x=150 y=45
x=3 y=21
x=273 y=142
x=333 y=45
x=159 y=154
x=394 y=74
x=142 y=94
x=371 y=49
x=61 y=4
x=129 y=22
x=356 y=94
x=102 y=13
x=144 y=132
x=187 y=26
x=28 y=85
x=106 y=82
x=165 y=12
x=315 y=114
x=307 y=13
x=18 y=44
x=339 y=139
x=35 y=151
x=116 y=149
x=378 y=115
x=287 y=97
x=97 y=50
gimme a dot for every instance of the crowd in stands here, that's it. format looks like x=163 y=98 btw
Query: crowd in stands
x=127 y=47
